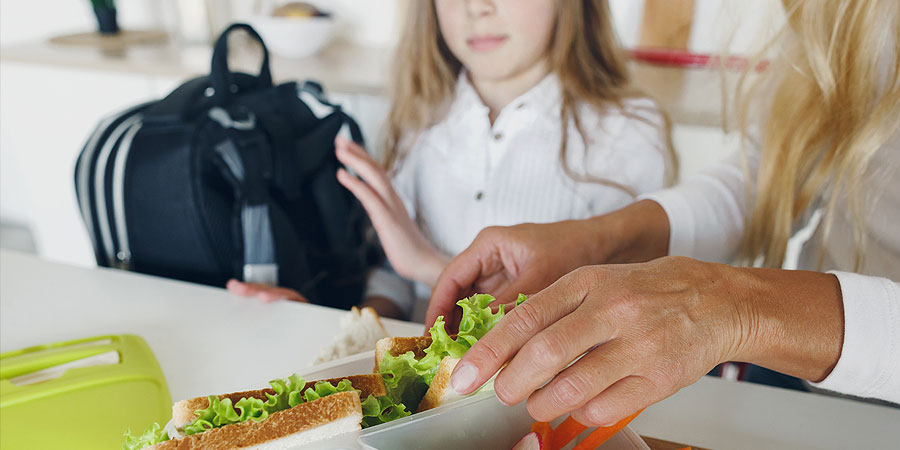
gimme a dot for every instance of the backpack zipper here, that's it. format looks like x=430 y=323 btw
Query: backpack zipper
x=100 y=186
x=123 y=255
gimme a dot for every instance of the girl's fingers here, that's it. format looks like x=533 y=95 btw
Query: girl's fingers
x=579 y=383
x=275 y=293
x=360 y=162
x=264 y=293
x=371 y=201
x=244 y=289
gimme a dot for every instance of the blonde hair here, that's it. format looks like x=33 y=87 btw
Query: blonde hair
x=582 y=52
x=836 y=101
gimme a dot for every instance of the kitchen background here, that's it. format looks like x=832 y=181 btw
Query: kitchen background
x=52 y=94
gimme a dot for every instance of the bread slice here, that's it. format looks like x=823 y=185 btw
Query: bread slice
x=306 y=422
x=360 y=329
x=440 y=392
x=399 y=345
x=183 y=411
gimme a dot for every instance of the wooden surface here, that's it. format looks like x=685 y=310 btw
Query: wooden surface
x=691 y=96
x=659 y=444
x=667 y=23
x=120 y=40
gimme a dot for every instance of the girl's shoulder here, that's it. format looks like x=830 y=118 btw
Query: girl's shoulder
x=642 y=112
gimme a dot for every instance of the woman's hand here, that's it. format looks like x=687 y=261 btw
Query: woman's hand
x=410 y=253
x=266 y=294
x=506 y=261
x=647 y=330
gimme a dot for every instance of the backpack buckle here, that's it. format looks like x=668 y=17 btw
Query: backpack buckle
x=224 y=119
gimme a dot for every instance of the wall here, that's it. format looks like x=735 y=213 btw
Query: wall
x=47 y=112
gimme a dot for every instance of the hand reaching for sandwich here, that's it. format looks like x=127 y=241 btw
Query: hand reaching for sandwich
x=526 y=258
x=647 y=330
x=506 y=261
x=409 y=252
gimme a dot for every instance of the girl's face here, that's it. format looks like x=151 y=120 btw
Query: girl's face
x=497 y=39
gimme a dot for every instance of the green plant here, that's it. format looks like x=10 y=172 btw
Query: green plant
x=101 y=4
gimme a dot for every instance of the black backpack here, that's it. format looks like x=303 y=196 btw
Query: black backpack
x=229 y=176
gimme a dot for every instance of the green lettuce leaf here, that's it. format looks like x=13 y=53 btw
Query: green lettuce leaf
x=324 y=388
x=477 y=318
x=521 y=299
x=154 y=435
x=288 y=393
x=441 y=345
x=382 y=409
x=407 y=378
x=405 y=385
x=222 y=412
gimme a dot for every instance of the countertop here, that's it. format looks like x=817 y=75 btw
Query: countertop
x=692 y=96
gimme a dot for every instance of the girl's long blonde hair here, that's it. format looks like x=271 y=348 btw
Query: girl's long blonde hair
x=836 y=101
x=583 y=53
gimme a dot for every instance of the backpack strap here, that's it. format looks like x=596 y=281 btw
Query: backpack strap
x=221 y=76
x=246 y=168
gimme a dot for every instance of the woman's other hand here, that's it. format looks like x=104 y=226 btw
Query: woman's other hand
x=266 y=294
x=410 y=253
x=647 y=330
x=506 y=261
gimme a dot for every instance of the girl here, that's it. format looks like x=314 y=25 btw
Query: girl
x=830 y=141
x=504 y=111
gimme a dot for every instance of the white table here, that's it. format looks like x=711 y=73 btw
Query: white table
x=206 y=340
x=195 y=331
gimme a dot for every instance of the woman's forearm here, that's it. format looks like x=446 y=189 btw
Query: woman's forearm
x=792 y=321
x=638 y=232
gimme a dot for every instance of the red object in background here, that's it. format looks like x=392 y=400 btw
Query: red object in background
x=681 y=58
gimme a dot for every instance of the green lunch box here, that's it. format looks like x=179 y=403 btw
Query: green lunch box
x=80 y=394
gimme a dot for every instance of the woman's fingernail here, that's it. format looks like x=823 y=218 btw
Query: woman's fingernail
x=462 y=379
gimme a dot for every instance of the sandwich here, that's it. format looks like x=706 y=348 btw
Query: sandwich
x=291 y=412
x=416 y=370
x=360 y=330
x=412 y=374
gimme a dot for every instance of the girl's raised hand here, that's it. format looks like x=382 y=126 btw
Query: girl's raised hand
x=409 y=252
x=266 y=294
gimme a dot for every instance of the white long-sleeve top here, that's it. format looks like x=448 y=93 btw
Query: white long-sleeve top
x=464 y=174
x=707 y=218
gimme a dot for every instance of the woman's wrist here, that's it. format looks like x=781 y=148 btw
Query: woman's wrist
x=788 y=321
x=638 y=232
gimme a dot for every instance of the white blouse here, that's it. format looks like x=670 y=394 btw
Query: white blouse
x=707 y=217
x=464 y=174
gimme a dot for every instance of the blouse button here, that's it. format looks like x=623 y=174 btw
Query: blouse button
x=498 y=136
x=479 y=195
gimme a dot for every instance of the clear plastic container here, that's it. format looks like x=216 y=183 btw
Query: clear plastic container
x=478 y=422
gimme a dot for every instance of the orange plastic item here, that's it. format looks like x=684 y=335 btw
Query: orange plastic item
x=544 y=429
x=602 y=434
x=564 y=433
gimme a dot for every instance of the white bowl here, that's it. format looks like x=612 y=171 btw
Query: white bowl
x=294 y=37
